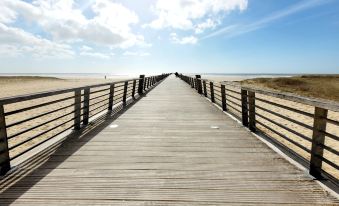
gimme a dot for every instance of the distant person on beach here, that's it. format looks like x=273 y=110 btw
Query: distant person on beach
x=105 y=76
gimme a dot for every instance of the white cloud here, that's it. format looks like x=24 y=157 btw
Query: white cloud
x=184 y=40
x=7 y=15
x=85 y=48
x=208 y=24
x=109 y=26
x=7 y=50
x=95 y=55
x=190 y=14
x=10 y=10
x=89 y=52
x=65 y=23
x=19 y=42
x=235 y=30
x=136 y=53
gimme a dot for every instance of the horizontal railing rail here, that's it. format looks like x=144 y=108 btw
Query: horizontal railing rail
x=307 y=129
x=28 y=121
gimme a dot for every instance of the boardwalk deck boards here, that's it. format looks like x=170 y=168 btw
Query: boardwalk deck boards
x=171 y=148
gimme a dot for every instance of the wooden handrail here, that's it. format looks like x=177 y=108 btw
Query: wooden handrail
x=81 y=114
x=19 y=98
x=248 y=113
x=316 y=102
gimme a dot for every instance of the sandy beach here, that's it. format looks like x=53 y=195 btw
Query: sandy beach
x=15 y=86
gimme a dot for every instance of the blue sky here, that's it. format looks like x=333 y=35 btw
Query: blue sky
x=155 y=36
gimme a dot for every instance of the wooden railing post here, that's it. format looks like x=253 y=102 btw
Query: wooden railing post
x=145 y=83
x=86 y=106
x=223 y=97
x=125 y=93
x=77 y=109
x=111 y=97
x=5 y=164
x=196 y=83
x=192 y=82
x=199 y=86
x=212 y=92
x=133 y=89
x=205 y=89
x=141 y=84
x=318 y=139
x=244 y=107
x=251 y=110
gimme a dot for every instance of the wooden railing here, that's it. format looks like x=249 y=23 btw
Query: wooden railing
x=307 y=129
x=31 y=120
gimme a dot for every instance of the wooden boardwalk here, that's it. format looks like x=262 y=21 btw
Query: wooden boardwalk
x=172 y=147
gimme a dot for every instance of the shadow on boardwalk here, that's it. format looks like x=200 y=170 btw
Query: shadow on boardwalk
x=24 y=177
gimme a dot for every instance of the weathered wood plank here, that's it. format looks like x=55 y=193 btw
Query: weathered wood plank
x=171 y=148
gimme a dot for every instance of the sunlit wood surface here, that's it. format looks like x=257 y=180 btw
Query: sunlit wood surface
x=172 y=147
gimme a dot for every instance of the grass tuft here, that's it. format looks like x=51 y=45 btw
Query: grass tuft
x=318 y=86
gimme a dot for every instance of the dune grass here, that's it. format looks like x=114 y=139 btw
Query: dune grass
x=318 y=86
x=26 y=78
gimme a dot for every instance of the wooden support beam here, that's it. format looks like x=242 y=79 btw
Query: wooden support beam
x=196 y=83
x=212 y=92
x=133 y=89
x=145 y=84
x=86 y=106
x=124 y=97
x=244 y=107
x=199 y=86
x=141 y=84
x=251 y=110
x=318 y=139
x=77 y=109
x=205 y=89
x=111 y=97
x=223 y=97
x=5 y=164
